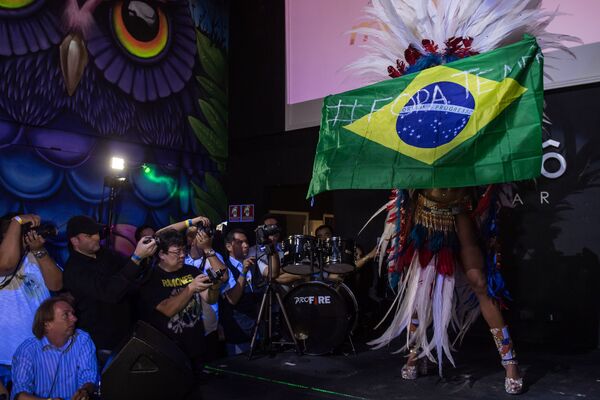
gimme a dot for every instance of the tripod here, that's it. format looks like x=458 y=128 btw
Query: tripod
x=266 y=305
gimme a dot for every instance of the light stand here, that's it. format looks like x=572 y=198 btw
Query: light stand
x=266 y=305
x=113 y=183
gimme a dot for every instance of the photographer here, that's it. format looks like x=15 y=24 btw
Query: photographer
x=29 y=276
x=239 y=307
x=170 y=300
x=199 y=234
x=202 y=255
x=272 y=228
x=143 y=231
x=102 y=283
x=11 y=240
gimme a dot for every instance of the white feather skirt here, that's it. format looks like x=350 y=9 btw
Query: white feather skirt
x=444 y=303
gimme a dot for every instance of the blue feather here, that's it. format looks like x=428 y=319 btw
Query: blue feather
x=495 y=282
x=394 y=278
x=418 y=235
x=450 y=58
x=426 y=61
x=436 y=241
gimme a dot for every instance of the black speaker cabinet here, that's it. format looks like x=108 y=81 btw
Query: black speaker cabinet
x=149 y=367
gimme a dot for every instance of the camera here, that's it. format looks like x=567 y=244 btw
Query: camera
x=208 y=229
x=149 y=239
x=45 y=230
x=214 y=276
x=264 y=231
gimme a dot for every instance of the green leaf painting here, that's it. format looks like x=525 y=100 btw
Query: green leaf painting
x=211 y=131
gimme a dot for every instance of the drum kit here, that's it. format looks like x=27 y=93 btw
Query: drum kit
x=322 y=312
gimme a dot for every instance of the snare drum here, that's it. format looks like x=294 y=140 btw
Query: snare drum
x=322 y=314
x=299 y=255
x=338 y=255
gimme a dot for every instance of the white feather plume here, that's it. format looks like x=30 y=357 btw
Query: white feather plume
x=407 y=292
x=491 y=23
x=443 y=294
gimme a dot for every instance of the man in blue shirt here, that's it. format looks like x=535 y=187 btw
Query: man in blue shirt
x=238 y=308
x=60 y=361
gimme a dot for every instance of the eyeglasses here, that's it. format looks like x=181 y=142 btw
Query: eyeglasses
x=176 y=252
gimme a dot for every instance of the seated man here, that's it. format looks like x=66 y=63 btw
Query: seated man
x=170 y=300
x=102 y=283
x=24 y=286
x=60 y=361
x=324 y=232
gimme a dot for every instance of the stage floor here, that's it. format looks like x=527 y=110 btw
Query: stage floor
x=376 y=375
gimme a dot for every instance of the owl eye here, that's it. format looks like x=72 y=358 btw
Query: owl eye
x=15 y=4
x=141 y=27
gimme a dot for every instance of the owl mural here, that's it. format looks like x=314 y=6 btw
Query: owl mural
x=83 y=80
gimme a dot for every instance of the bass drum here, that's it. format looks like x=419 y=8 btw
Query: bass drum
x=322 y=314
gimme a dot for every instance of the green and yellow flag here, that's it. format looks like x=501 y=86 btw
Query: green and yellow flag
x=471 y=122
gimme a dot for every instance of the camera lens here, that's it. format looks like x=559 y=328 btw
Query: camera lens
x=45 y=230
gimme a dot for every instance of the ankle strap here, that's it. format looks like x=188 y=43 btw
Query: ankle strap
x=512 y=361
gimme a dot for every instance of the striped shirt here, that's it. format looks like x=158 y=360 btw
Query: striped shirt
x=43 y=370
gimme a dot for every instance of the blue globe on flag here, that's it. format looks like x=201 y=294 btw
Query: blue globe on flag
x=435 y=115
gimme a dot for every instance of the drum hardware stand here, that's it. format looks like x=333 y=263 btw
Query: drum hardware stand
x=321 y=259
x=321 y=262
x=266 y=305
x=352 y=342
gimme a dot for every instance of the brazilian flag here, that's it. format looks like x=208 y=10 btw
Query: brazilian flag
x=471 y=122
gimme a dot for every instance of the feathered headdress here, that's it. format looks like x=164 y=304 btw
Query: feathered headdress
x=411 y=35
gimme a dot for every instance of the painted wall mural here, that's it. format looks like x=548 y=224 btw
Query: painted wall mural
x=81 y=81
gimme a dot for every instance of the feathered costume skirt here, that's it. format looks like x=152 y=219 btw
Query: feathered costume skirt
x=432 y=288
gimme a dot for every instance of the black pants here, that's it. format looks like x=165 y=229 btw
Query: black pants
x=211 y=351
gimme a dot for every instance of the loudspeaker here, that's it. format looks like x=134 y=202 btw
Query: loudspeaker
x=150 y=366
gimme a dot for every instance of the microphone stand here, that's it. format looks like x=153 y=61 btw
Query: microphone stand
x=266 y=305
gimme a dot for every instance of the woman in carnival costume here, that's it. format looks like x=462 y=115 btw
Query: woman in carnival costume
x=435 y=235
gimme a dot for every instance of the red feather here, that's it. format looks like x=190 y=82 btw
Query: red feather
x=445 y=261
x=411 y=55
x=425 y=255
